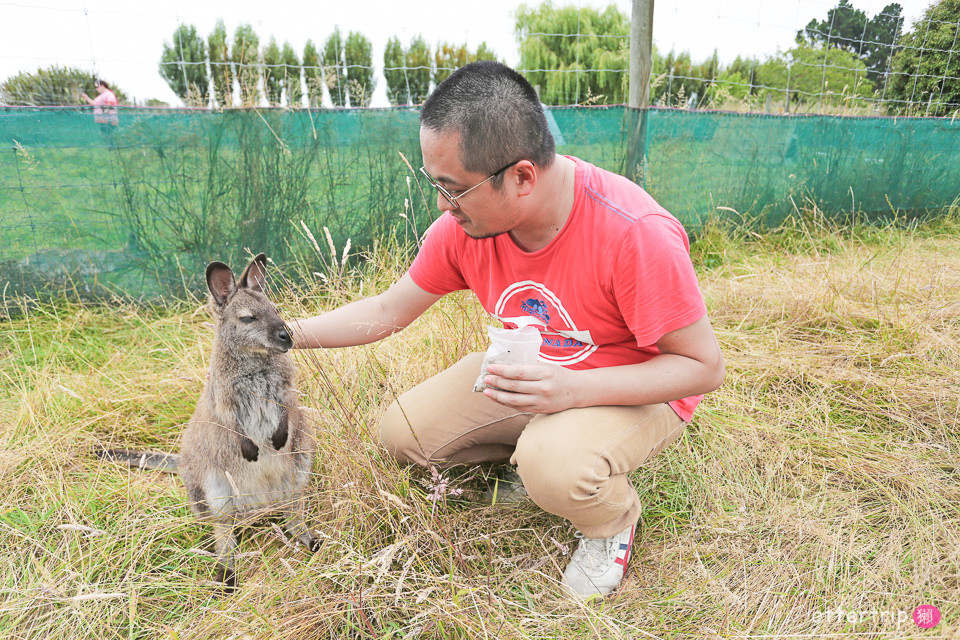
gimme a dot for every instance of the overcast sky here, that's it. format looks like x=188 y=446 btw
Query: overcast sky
x=123 y=39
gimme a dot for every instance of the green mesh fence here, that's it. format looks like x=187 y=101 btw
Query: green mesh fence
x=140 y=208
x=765 y=165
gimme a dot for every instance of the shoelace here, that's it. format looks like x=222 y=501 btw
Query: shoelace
x=595 y=552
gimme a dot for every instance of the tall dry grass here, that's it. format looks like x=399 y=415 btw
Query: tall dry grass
x=815 y=494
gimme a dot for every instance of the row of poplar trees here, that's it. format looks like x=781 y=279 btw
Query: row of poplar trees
x=579 y=55
x=344 y=65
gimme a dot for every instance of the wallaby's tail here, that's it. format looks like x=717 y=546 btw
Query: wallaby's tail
x=166 y=462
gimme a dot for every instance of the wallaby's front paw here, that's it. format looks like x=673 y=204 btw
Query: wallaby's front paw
x=313 y=544
x=279 y=437
x=228 y=577
x=249 y=449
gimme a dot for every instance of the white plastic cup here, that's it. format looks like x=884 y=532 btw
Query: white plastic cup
x=516 y=346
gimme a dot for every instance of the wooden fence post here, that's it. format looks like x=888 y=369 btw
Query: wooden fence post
x=641 y=48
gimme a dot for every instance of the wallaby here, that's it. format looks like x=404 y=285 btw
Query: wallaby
x=249 y=445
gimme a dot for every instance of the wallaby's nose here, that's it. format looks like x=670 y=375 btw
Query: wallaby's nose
x=284 y=337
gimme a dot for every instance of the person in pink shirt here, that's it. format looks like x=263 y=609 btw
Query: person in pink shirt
x=104 y=105
x=589 y=259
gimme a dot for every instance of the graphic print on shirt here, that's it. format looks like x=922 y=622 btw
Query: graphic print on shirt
x=532 y=303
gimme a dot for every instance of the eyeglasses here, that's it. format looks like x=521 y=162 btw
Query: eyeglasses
x=454 y=199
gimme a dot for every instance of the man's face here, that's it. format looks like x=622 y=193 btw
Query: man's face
x=484 y=212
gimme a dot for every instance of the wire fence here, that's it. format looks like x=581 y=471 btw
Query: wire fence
x=843 y=60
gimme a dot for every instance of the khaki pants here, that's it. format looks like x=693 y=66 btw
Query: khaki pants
x=573 y=463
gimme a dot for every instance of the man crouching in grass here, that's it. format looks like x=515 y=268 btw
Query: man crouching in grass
x=593 y=262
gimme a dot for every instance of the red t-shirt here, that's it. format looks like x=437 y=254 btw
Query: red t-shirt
x=615 y=279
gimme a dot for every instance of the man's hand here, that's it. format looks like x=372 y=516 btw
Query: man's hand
x=689 y=364
x=535 y=388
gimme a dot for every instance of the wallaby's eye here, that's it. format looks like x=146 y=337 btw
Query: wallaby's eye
x=247 y=319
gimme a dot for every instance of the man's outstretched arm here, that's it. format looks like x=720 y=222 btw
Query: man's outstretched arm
x=364 y=321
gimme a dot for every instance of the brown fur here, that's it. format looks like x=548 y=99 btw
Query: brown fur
x=249 y=445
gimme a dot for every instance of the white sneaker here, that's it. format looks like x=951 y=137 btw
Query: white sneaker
x=598 y=564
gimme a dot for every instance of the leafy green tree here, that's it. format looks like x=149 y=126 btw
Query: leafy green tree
x=448 y=58
x=313 y=74
x=246 y=60
x=883 y=33
x=733 y=84
x=358 y=55
x=737 y=80
x=272 y=73
x=418 y=70
x=291 y=76
x=574 y=57
x=744 y=67
x=52 y=86
x=484 y=52
x=872 y=40
x=844 y=28
x=333 y=68
x=676 y=78
x=220 y=68
x=183 y=65
x=394 y=73
x=814 y=73
x=925 y=72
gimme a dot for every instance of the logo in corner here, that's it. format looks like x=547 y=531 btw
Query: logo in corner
x=536 y=308
x=926 y=616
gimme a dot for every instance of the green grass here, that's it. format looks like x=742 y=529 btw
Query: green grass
x=822 y=475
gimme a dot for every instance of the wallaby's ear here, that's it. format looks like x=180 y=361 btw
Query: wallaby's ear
x=220 y=282
x=254 y=277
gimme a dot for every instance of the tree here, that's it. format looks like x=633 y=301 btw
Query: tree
x=358 y=56
x=675 y=79
x=814 y=73
x=291 y=76
x=418 y=70
x=737 y=80
x=844 y=28
x=449 y=58
x=883 y=32
x=872 y=40
x=52 y=86
x=183 y=65
x=246 y=59
x=578 y=54
x=333 y=64
x=272 y=73
x=484 y=52
x=925 y=72
x=394 y=72
x=220 y=68
x=313 y=74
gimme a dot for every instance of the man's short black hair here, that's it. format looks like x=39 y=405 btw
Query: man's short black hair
x=497 y=114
